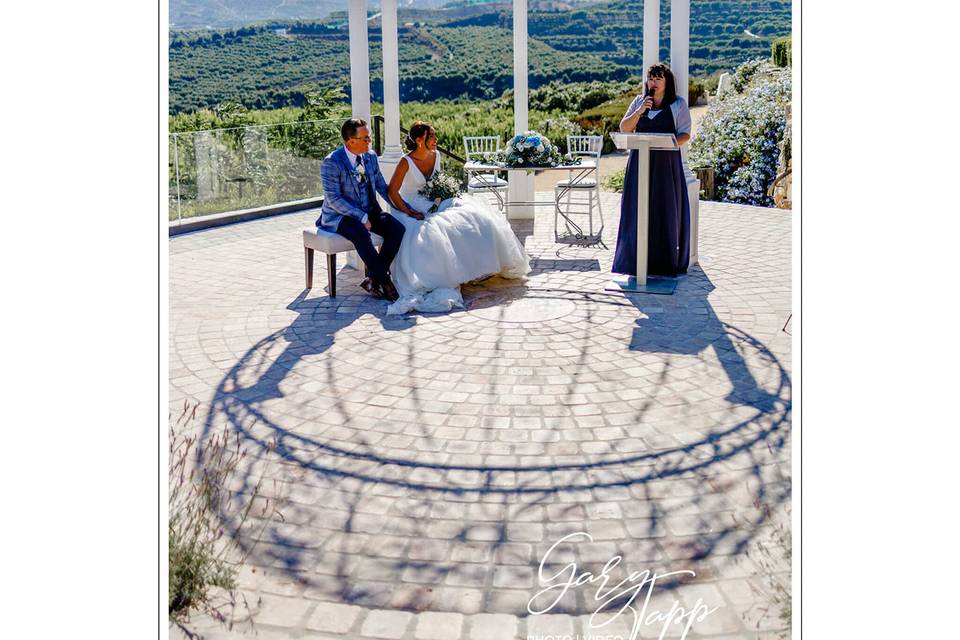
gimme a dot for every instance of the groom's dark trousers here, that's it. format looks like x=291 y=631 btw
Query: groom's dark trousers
x=348 y=199
x=384 y=226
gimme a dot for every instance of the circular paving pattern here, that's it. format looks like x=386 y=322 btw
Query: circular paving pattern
x=507 y=308
x=427 y=463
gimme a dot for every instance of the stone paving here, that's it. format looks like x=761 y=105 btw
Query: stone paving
x=427 y=464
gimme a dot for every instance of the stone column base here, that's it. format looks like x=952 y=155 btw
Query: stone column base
x=521 y=189
x=693 y=193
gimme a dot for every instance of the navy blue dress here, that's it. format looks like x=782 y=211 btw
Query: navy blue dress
x=668 y=248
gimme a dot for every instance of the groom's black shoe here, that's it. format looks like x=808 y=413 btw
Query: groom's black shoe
x=371 y=287
x=390 y=291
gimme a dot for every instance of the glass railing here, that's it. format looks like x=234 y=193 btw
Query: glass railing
x=232 y=169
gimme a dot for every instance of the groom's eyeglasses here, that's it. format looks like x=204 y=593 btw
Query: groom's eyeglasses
x=365 y=139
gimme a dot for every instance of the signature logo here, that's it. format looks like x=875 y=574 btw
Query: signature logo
x=629 y=596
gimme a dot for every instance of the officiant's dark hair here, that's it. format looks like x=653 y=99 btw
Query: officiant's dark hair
x=418 y=130
x=661 y=70
x=350 y=128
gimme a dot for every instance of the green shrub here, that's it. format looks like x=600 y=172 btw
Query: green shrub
x=614 y=181
x=604 y=119
x=202 y=514
x=557 y=129
x=320 y=121
x=696 y=89
x=572 y=98
x=745 y=72
x=782 y=51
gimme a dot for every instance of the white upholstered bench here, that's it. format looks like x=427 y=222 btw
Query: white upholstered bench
x=316 y=239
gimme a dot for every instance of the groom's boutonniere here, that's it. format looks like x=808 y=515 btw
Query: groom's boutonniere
x=360 y=173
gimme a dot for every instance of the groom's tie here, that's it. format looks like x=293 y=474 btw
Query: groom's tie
x=367 y=184
x=357 y=169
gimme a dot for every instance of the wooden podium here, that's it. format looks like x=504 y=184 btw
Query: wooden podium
x=643 y=143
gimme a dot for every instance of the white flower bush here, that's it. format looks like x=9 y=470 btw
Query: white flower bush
x=741 y=133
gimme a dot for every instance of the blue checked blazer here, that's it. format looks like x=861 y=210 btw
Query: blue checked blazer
x=343 y=195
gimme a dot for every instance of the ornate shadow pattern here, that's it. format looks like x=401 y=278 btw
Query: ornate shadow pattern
x=432 y=468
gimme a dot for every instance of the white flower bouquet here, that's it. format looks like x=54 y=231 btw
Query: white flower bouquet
x=530 y=149
x=441 y=186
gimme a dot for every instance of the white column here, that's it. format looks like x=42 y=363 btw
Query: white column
x=392 y=149
x=680 y=66
x=521 y=183
x=359 y=61
x=359 y=80
x=651 y=34
x=680 y=44
x=680 y=54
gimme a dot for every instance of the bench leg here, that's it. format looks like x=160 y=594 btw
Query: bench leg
x=332 y=274
x=308 y=266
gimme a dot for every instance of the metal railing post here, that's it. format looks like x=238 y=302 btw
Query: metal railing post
x=176 y=166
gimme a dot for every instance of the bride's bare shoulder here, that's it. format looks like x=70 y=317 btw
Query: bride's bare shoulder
x=398 y=173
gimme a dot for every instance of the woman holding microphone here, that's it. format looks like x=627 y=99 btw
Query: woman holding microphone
x=658 y=110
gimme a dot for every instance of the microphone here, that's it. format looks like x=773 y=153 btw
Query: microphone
x=648 y=93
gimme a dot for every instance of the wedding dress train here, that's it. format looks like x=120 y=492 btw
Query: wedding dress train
x=465 y=239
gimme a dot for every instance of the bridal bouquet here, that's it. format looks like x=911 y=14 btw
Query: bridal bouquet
x=530 y=149
x=441 y=186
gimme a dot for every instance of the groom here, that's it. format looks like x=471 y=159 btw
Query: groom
x=350 y=208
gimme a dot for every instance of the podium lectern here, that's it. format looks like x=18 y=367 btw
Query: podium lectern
x=643 y=143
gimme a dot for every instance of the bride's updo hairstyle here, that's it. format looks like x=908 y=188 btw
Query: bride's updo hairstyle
x=418 y=130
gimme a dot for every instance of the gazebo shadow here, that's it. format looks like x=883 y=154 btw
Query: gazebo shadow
x=311 y=333
x=370 y=516
x=764 y=402
x=655 y=334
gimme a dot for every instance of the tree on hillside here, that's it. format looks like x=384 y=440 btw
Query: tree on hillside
x=318 y=128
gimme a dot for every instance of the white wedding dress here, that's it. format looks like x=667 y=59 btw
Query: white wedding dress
x=465 y=239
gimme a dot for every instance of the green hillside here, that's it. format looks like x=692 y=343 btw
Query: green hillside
x=457 y=52
x=267 y=67
x=613 y=31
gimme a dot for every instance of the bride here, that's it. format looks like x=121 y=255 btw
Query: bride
x=464 y=240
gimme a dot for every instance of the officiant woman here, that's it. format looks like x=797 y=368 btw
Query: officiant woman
x=657 y=110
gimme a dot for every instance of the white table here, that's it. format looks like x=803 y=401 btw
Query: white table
x=643 y=143
x=579 y=172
